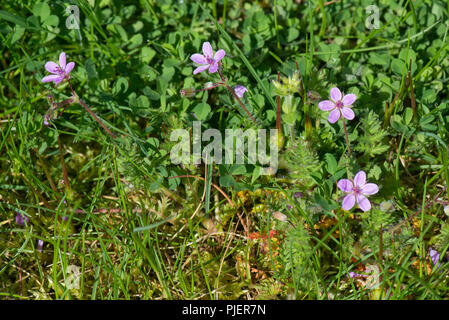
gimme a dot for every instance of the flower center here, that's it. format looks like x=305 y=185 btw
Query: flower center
x=339 y=104
x=209 y=60
x=356 y=190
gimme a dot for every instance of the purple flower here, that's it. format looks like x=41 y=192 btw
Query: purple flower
x=340 y=104
x=298 y=195
x=435 y=257
x=60 y=72
x=357 y=191
x=40 y=245
x=353 y=275
x=240 y=90
x=208 y=60
x=21 y=218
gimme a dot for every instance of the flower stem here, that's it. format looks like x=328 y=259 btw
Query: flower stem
x=214 y=85
x=97 y=119
x=224 y=83
x=91 y=112
x=241 y=103
x=346 y=134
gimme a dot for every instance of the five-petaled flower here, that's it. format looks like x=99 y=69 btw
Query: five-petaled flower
x=357 y=191
x=340 y=104
x=60 y=72
x=208 y=60
x=240 y=90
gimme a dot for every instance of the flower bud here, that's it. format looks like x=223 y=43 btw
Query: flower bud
x=313 y=95
x=188 y=92
x=280 y=216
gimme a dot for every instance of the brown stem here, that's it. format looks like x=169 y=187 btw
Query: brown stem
x=47 y=174
x=214 y=85
x=346 y=134
x=219 y=72
x=97 y=119
x=241 y=103
x=91 y=112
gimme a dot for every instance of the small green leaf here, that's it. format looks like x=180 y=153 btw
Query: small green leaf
x=408 y=115
x=227 y=181
x=331 y=163
x=202 y=111
x=41 y=10
x=398 y=67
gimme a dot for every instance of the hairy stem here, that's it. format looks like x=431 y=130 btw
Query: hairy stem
x=346 y=135
x=241 y=103
x=91 y=112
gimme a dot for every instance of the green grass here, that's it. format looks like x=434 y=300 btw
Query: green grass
x=120 y=221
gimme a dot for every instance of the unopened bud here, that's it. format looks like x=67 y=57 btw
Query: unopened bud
x=40 y=245
x=188 y=92
x=313 y=95
x=46 y=120
x=280 y=216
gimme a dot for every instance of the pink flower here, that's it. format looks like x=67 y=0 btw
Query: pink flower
x=340 y=104
x=208 y=60
x=357 y=191
x=435 y=256
x=353 y=275
x=240 y=90
x=60 y=72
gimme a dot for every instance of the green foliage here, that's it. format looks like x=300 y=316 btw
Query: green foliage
x=136 y=226
x=372 y=140
x=301 y=163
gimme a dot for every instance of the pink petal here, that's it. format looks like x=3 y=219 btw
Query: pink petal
x=58 y=80
x=370 y=188
x=198 y=58
x=52 y=67
x=334 y=115
x=51 y=78
x=348 y=202
x=240 y=90
x=326 y=105
x=347 y=113
x=62 y=60
x=201 y=69
x=345 y=185
x=213 y=67
x=207 y=50
x=349 y=99
x=219 y=55
x=69 y=67
x=335 y=94
x=360 y=179
x=363 y=203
